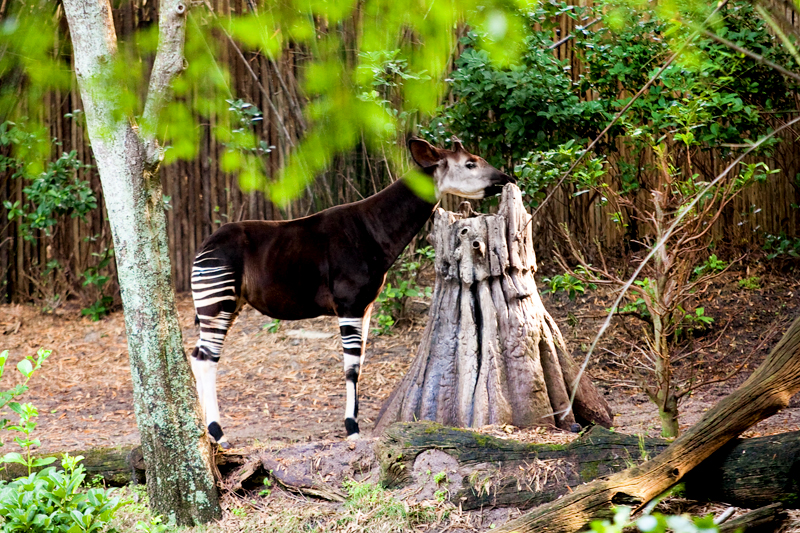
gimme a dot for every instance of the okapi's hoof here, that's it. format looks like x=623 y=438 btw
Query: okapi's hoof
x=354 y=436
x=575 y=428
x=215 y=430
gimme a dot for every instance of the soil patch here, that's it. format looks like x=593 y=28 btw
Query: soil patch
x=288 y=386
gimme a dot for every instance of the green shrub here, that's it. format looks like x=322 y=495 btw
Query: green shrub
x=709 y=97
x=94 y=277
x=401 y=286
x=781 y=246
x=752 y=283
x=568 y=283
x=52 y=501
x=654 y=523
x=709 y=266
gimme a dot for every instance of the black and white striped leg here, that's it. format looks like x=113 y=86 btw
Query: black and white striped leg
x=215 y=301
x=354 y=341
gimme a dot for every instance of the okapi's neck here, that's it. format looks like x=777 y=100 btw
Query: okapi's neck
x=394 y=216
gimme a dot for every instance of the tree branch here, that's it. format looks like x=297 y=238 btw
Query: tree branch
x=168 y=64
x=752 y=55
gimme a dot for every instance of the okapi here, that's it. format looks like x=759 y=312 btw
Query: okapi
x=331 y=263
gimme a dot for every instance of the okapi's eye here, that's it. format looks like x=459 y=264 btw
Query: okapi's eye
x=470 y=165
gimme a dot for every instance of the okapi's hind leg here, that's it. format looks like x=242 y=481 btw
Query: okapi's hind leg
x=354 y=333
x=214 y=290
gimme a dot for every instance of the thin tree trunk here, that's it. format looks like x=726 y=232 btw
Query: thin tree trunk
x=491 y=353
x=176 y=450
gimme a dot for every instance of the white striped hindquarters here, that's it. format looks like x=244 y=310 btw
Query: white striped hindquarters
x=215 y=301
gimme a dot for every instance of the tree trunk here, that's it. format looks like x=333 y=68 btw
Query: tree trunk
x=768 y=390
x=506 y=473
x=177 y=452
x=491 y=354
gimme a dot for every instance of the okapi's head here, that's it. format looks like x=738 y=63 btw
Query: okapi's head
x=457 y=171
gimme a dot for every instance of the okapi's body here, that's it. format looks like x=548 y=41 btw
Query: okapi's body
x=331 y=263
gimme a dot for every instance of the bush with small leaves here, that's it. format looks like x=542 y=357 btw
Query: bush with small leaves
x=401 y=286
x=52 y=501
x=654 y=523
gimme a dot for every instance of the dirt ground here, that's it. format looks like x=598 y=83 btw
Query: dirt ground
x=289 y=386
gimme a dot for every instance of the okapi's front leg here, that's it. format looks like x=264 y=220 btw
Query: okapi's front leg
x=354 y=333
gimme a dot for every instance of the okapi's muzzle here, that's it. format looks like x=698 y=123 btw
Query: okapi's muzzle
x=498 y=181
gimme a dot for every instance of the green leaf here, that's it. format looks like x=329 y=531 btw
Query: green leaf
x=13 y=457
x=25 y=367
x=43 y=461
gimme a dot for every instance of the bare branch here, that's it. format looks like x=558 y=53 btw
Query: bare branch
x=770 y=333
x=568 y=37
x=708 y=278
x=752 y=55
x=704 y=346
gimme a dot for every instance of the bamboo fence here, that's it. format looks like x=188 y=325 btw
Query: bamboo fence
x=202 y=196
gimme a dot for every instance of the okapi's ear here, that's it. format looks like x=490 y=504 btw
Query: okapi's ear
x=425 y=154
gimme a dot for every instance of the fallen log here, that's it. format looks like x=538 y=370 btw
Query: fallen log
x=495 y=472
x=766 y=519
x=765 y=392
x=317 y=469
x=114 y=466
x=117 y=466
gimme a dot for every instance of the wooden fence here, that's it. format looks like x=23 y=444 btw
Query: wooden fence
x=202 y=196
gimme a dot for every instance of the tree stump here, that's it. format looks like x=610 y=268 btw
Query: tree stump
x=491 y=353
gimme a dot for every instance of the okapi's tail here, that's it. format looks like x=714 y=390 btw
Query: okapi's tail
x=196 y=320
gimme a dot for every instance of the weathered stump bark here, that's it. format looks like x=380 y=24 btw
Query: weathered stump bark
x=491 y=354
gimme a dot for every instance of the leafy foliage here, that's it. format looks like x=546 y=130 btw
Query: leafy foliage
x=538 y=170
x=782 y=246
x=54 y=193
x=50 y=197
x=93 y=276
x=710 y=96
x=570 y=284
x=52 y=501
x=532 y=104
x=708 y=99
x=751 y=283
x=654 y=523
x=27 y=367
x=709 y=266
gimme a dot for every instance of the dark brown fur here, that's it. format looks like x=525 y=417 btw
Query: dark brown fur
x=330 y=263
